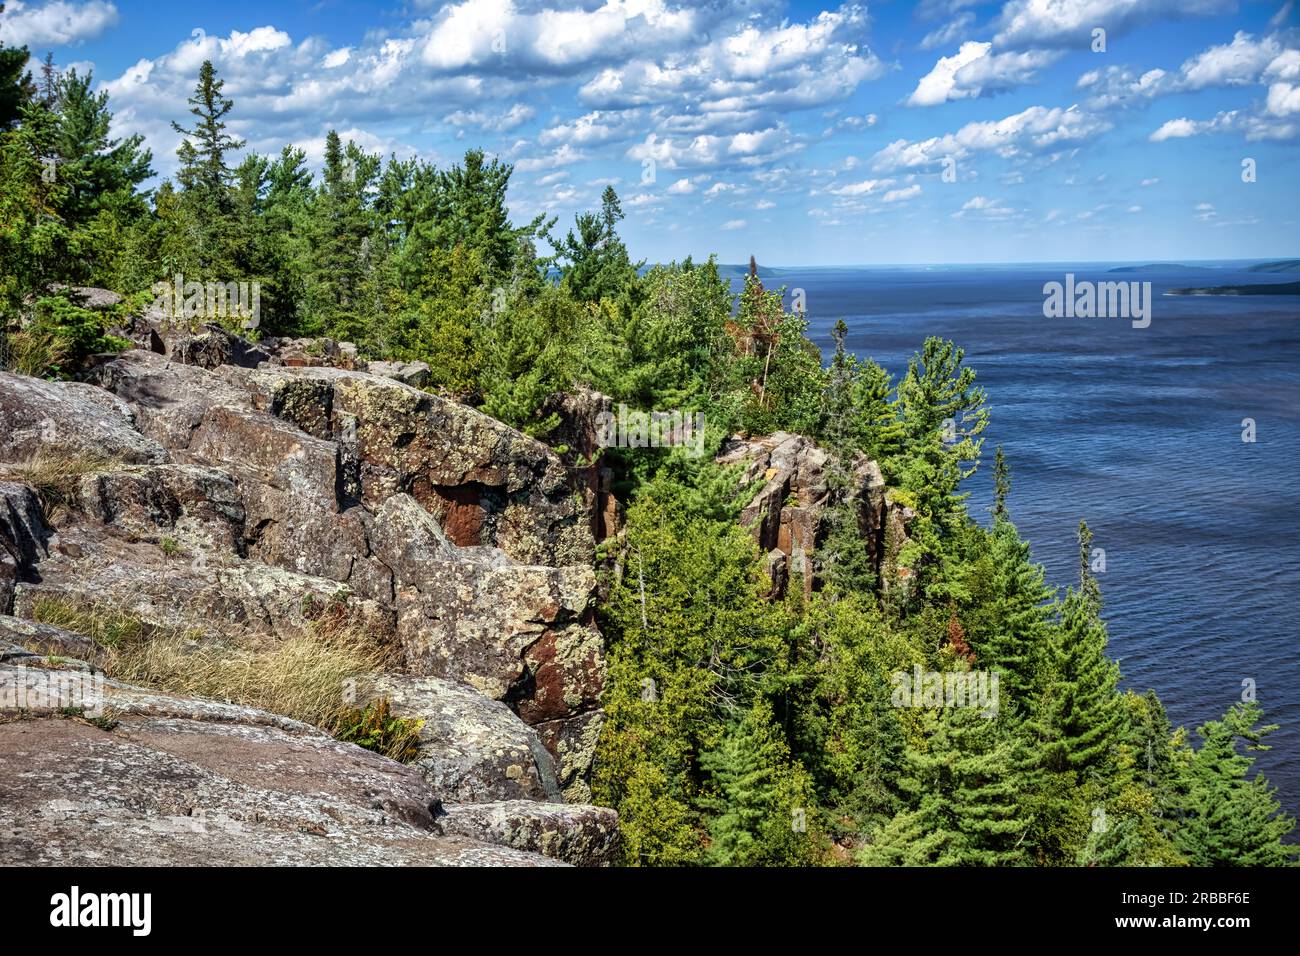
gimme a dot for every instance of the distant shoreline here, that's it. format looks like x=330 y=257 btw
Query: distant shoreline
x=1263 y=288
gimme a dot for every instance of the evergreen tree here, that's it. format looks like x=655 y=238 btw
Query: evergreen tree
x=15 y=82
x=1001 y=485
x=760 y=800
x=1011 y=626
x=341 y=290
x=941 y=413
x=966 y=785
x=205 y=176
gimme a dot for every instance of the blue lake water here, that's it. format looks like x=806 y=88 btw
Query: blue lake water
x=1139 y=431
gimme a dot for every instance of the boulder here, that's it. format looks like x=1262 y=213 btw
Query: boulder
x=90 y=297
x=208 y=346
x=168 y=400
x=471 y=749
x=311 y=353
x=262 y=449
x=484 y=482
x=196 y=509
x=415 y=374
x=67 y=419
x=24 y=538
x=573 y=833
x=520 y=633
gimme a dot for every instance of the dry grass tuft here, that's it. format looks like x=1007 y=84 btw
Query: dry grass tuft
x=316 y=676
x=56 y=477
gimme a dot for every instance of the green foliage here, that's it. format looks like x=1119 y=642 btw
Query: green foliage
x=759 y=798
x=376 y=728
x=965 y=782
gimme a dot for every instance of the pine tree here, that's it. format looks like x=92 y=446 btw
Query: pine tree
x=942 y=413
x=1012 y=625
x=104 y=173
x=1229 y=818
x=905 y=840
x=16 y=87
x=287 y=243
x=598 y=263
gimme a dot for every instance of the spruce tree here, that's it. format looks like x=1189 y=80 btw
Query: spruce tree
x=1227 y=817
x=759 y=799
x=966 y=784
x=1001 y=485
x=1079 y=711
x=1013 y=624
x=205 y=175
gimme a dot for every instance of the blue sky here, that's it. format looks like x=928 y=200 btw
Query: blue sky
x=804 y=133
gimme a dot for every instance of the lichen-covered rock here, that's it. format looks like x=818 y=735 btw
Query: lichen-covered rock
x=168 y=400
x=209 y=346
x=29 y=639
x=574 y=833
x=471 y=749
x=263 y=494
x=484 y=482
x=572 y=741
x=160 y=780
x=499 y=629
x=90 y=567
x=67 y=419
x=415 y=374
x=519 y=633
x=262 y=448
x=195 y=509
x=309 y=352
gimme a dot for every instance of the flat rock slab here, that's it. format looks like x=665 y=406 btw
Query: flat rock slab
x=181 y=793
x=67 y=419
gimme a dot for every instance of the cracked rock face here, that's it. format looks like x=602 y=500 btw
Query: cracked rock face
x=790 y=514
x=471 y=749
x=67 y=419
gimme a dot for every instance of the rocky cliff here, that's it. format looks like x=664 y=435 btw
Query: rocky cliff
x=183 y=490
